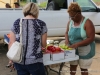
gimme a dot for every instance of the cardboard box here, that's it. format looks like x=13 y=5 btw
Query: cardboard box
x=46 y=57
x=57 y=56
x=69 y=53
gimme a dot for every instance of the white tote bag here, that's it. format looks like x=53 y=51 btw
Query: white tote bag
x=16 y=49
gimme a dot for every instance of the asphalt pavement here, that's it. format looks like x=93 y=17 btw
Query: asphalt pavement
x=93 y=70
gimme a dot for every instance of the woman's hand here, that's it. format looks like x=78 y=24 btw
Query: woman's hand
x=66 y=42
x=11 y=65
x=73 y=46
x=43 y=49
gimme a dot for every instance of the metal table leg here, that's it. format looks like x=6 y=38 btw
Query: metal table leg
x=46 y=70
x=52 y=69
x=61 y=66
x=58 y=72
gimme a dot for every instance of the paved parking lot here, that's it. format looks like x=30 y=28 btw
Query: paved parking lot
x=94 y=69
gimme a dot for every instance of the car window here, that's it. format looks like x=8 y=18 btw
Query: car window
x=86 y=5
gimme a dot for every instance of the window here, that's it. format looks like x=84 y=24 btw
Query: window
x=86 y=5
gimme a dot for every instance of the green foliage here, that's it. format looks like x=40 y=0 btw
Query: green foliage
x=42 y=5
x=96 y=0
x=23 y=2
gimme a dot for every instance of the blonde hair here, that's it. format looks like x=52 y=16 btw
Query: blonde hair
x=31 y=9
x=74 y=8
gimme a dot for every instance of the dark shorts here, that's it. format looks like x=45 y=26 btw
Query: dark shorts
x=33 y=69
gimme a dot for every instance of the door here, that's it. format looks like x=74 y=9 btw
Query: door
x=90 y=10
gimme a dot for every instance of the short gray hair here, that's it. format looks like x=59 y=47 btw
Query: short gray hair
x=31 y=9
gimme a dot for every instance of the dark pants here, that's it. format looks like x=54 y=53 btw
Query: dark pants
x=33 y=69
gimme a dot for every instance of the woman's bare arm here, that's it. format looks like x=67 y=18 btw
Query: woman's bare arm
x=66 y=34
x=44 y=40
x=12 y=39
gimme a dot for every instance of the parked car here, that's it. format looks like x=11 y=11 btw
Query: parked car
x=56 y=20
x=56 y=4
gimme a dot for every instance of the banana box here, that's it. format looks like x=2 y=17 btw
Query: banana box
x=69 y=53
x=57 y=56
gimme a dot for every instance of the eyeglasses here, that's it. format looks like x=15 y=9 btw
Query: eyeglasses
x=73 y=16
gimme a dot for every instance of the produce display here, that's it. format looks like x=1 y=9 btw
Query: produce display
x=65 y=47
x=44 y=50
x=52 y=52
x=52 y=48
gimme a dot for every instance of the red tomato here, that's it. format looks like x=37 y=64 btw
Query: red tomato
x=58 y=49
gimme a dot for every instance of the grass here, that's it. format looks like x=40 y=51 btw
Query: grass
x=42 y=5
x=22 y=3
x=96 y=0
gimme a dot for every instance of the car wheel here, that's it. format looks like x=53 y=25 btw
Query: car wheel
x=52 y=6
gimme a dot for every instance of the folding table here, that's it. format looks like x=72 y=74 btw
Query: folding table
x=47 y=63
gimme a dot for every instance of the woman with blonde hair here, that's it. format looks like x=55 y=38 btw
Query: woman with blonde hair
x=34 y=36
x=80 y=34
